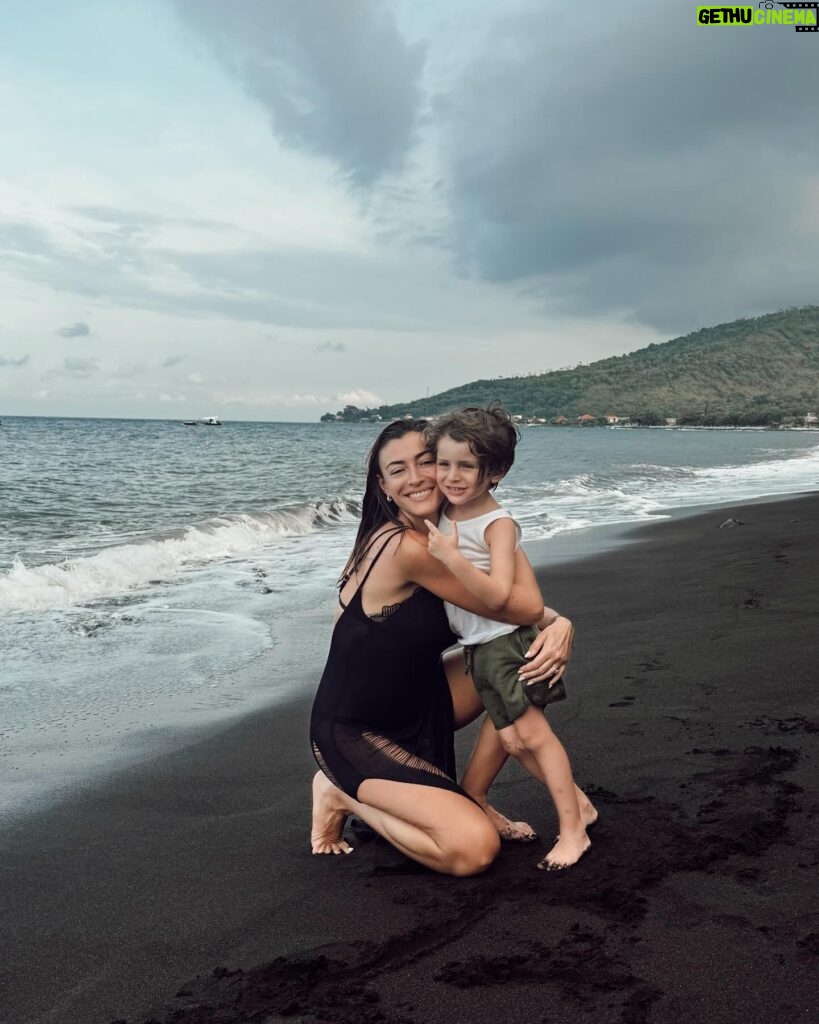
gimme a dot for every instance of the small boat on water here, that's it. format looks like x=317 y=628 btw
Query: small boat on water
x=189 y=423
x=211 y=421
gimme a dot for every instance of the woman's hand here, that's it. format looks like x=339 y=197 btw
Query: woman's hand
x=549 y=653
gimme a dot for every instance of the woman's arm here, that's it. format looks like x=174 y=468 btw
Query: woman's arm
x=523 y=608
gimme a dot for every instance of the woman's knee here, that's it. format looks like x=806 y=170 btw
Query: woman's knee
x=476 y=849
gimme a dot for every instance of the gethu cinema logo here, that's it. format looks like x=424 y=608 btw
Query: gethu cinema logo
x=803 y=16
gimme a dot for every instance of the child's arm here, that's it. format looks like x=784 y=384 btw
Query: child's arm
x=492 y=588
x=525 y=604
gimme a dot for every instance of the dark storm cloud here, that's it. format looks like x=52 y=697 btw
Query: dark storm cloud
x=638 y=162
x=78 y=330
x=336 y=77
x=331 y=346
x=14 y=363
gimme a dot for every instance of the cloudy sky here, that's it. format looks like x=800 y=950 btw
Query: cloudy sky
x=265 y=209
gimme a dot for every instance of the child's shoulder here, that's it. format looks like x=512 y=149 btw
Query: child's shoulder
x=496 y=512
x=500 y=527
x=499 y=512
x=490 y=523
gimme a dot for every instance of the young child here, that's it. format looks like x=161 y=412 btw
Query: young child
x=476 y=539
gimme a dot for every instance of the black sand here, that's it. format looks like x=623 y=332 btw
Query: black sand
x=185 y=890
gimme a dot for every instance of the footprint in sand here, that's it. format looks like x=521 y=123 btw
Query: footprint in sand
x=624 y=702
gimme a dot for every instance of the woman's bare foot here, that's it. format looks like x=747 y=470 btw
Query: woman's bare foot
x=567 y=851
x=511 y=831
x=329 y=814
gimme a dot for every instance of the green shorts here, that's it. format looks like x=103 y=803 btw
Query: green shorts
x=495 y=666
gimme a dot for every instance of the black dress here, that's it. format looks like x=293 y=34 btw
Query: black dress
x=383 y=709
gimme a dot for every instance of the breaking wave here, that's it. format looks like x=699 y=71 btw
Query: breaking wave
x=161 y=557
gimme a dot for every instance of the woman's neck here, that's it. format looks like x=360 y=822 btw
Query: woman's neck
x=415 y=523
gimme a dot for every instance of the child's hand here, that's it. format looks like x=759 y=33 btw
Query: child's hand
x=442 y=545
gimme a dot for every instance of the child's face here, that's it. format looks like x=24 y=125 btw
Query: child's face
x=458 y=471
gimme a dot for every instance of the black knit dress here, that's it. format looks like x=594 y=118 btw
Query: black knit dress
x=383 y=709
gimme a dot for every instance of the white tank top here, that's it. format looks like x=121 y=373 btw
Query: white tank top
x=469 y=627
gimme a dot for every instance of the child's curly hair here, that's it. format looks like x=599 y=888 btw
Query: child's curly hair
x=489 y=432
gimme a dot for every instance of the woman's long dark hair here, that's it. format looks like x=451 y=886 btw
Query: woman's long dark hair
x=376 y=510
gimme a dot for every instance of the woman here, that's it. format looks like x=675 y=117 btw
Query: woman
x=383 y=717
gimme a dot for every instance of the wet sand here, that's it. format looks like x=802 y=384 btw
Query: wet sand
x=184 y=889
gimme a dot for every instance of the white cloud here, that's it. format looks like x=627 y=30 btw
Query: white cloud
x=246 y=398
x=360 y=397
x=304 y=399
x=127 y=370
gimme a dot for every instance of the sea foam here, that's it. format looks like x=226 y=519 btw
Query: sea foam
x=125 y=567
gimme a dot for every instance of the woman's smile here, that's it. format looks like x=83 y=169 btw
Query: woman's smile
x=420 y=495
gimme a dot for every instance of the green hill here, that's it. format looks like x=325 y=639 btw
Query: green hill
x=756 y=371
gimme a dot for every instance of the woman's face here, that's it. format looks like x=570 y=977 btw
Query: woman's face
x=407 y=475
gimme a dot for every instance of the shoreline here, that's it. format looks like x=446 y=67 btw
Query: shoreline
x=591 y=541
x=177 y=728
x=692 y=719
x=24 y=791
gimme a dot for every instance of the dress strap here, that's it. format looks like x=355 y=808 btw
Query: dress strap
x=378 y=554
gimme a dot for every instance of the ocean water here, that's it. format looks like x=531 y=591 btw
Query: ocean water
x=155 y=577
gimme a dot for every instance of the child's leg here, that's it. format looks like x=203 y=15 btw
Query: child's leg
x=588 y=812
x=484 y=764
x=530 y=739
x=534 y=735
x=488 y=757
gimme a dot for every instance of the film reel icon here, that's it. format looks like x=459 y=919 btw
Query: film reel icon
x=767 y=5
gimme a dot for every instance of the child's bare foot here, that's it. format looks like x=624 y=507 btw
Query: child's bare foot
x=567 y=851
x=329 y=814
x=588 y=812
x=511 y=831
